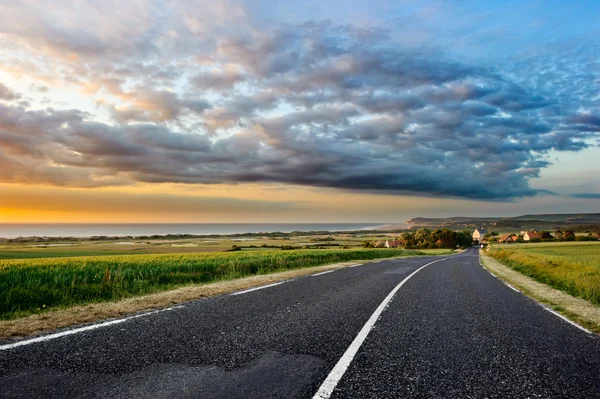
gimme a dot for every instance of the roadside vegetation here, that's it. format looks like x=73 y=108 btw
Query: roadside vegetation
x=36 y=285
x=573 y=267
x=425 y=238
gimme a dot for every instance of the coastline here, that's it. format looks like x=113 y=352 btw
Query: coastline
x=54 y=231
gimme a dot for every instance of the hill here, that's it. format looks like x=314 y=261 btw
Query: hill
x=575 y=221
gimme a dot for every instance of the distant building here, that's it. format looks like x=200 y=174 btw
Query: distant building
x=392 y=243
x=508 y=238
x=531 y=235
x=478 y=234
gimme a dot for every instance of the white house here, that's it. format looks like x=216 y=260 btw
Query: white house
x=478 y=234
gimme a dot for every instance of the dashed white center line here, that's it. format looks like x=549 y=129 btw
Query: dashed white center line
x=325 y=272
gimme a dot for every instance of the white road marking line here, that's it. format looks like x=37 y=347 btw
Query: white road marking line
x=81 y=329
x=356 y=265
x=325 y=272
x=259 y=288
x=510 y=286
x=544 y=306
x=555 y=313
x=340 y=368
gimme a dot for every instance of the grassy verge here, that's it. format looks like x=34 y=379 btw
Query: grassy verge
x=570 y=267
x=37 y=285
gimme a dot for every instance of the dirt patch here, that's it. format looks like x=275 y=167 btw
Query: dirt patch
x=35 y=324
x=578 y=310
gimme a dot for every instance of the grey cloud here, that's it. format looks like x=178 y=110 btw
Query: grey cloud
x=312 y=104
x=212 y=80
x=590 y=121
x=157 y=106
x=586 y=195
x=8 y=94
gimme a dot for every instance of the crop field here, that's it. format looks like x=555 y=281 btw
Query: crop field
x=573 y=267
x=37 y=285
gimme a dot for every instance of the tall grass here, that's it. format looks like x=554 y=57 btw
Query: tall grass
x=35 y=285
x=570 y=267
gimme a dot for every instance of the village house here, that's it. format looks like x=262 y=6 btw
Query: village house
x=478 y=234
x=392 y=243
x=508 y=238
x=531 y=235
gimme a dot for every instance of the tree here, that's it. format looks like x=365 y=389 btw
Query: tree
x=569 y=235
x=444 y=238
x=545 y=235
x=422 y=237
x=407 y=240
x=463 y=239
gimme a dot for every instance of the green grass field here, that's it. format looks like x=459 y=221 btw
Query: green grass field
x=36 y=285
x=573 y=267
x=59 y=253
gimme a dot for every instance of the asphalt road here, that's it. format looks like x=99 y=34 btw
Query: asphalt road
x=451 y=331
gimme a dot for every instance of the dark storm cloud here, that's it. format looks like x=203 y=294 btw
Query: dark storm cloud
x=312 y=104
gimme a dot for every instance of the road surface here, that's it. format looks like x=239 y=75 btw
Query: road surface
x=451 y=330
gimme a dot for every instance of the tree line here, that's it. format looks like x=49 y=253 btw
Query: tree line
x=425 y=238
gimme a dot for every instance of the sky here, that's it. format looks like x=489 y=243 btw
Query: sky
x=309 y=111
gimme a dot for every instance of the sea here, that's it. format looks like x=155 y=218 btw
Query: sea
x=112 y=230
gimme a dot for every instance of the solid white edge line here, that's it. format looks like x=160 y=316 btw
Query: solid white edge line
x=81 y=329
x=325 y=272
x=510 y=286
x=555 y=313
x=356 y=265
x=260 y=288
x=327 y=387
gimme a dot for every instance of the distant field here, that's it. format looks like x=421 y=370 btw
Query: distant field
x=573 y=267
x=158 y=246
x=36 y=285
x=59 y=253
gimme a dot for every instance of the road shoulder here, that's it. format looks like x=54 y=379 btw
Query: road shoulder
x=575 y=309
